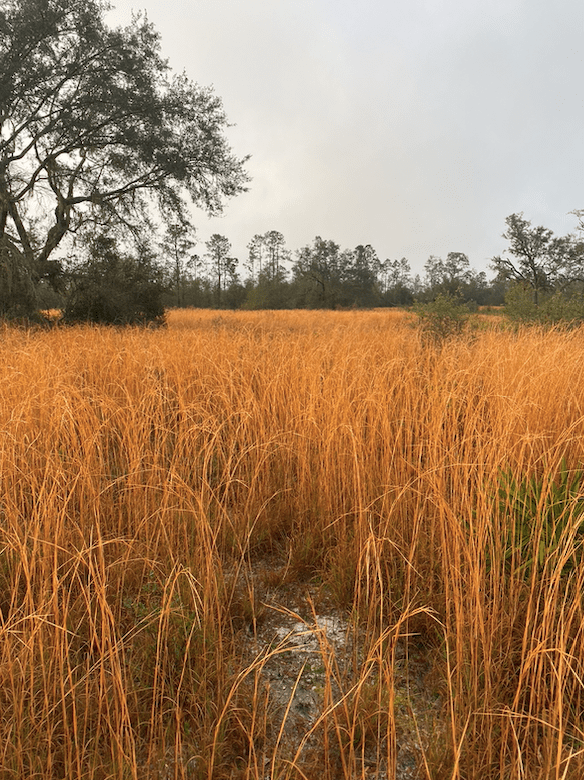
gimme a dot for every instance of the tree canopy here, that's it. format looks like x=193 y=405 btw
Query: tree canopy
x=537 y=258
x=96 y=132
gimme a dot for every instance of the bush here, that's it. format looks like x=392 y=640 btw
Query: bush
x=442 y=318
x=553 y=308
x=113 y=288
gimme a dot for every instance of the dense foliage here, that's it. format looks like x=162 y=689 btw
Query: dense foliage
x=115 y=289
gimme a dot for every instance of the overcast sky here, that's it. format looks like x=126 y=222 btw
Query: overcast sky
x=415 y=126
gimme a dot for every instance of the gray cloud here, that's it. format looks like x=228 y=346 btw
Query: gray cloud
x=413 y=125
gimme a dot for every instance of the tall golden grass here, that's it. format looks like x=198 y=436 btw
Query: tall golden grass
x=143 y=471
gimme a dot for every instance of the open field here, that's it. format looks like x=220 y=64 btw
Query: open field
x=169 y=495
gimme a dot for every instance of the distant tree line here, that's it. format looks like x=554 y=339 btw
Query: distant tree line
x=538 y=272
x=320 y=275
x=540 y=276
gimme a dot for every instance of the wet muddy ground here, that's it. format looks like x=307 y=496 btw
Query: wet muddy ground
x=309 y=660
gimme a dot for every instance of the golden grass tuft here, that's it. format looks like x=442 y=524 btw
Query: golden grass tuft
x=143 y=473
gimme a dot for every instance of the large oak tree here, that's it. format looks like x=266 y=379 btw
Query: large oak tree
x=96 y=132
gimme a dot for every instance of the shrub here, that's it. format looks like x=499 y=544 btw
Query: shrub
x=555 y=308
x=442 y=318
x=113 y=288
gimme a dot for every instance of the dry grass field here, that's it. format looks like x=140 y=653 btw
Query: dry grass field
x=162 y=491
